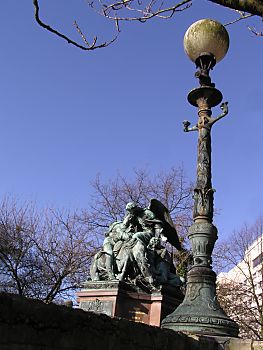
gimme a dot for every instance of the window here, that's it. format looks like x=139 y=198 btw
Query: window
x=258 y=260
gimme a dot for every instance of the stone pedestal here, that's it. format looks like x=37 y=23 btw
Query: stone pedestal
x=120 y=299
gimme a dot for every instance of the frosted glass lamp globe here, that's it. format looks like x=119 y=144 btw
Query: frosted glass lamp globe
x=206 y=36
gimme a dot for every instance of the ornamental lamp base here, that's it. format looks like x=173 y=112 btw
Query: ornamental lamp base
x=200 y=312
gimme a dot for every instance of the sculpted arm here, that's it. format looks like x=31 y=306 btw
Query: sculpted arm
x=186 y=124
x=224 y=107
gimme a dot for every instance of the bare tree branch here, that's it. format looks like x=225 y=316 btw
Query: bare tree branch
x=242 y=16
x=148 y=11
x=254 y=31
x=254 y=7
x=88 y=46
x=144 y=10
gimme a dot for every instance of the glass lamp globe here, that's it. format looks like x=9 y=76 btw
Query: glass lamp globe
x=206 y=36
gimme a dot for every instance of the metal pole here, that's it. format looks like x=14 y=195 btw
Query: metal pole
x=200 y=312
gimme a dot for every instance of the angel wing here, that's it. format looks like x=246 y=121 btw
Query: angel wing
x=169 y=230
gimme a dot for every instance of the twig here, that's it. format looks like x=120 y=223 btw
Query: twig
x=254 y=31
x=243 y=16
x=147 y=12
x=82 y=35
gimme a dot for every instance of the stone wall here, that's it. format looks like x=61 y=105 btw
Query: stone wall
x=32 y=325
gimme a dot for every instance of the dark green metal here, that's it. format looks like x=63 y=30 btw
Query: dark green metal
x=211 y=94
x=200 y=312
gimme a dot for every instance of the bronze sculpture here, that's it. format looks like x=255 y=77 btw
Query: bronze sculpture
x=132 y=249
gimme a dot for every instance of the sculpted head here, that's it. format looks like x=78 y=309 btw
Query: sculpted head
x=131 y=206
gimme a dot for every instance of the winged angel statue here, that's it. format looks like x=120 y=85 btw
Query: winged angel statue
x=133 y=251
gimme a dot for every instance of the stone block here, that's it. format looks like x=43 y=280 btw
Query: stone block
x=121 y=299
x=257 y=345
x=239 y=344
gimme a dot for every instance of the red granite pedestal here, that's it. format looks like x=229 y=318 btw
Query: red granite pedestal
x=120 y=299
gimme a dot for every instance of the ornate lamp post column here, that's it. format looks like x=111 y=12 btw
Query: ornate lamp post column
x=206 y=43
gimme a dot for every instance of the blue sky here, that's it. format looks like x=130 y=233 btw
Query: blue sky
x=67 y=115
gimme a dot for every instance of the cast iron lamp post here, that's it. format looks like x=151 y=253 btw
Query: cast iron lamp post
x=206 y=43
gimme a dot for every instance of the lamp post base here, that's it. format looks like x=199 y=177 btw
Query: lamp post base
x=200 y=312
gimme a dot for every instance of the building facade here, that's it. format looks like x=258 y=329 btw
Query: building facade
x=240 y=291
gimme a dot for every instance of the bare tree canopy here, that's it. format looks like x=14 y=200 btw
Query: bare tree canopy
x=46 y=254
x=240 y=290
x=43 y=255
x=110 y=198
x=172 y=188
x=144 y=10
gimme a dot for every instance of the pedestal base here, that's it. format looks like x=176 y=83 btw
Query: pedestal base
x=125 y=300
